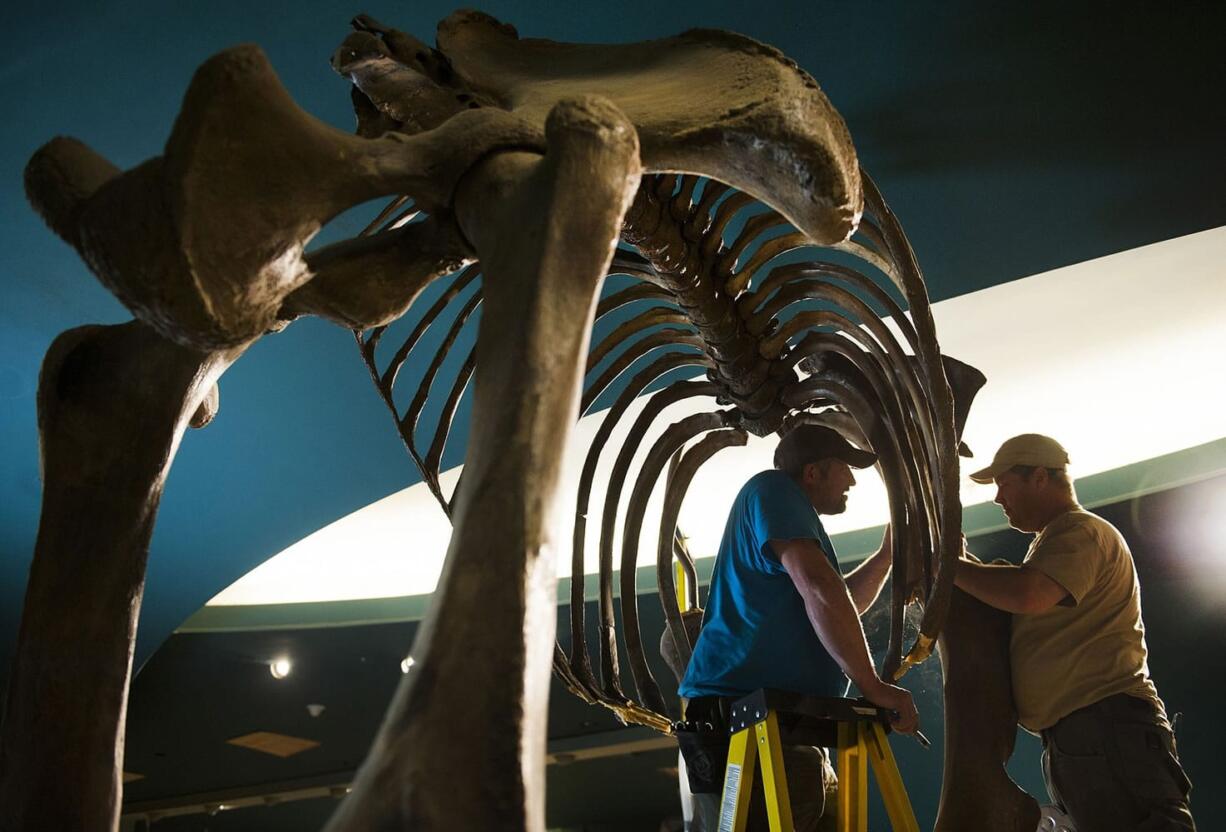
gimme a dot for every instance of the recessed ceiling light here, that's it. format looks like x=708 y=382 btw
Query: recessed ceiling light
x=280 y=667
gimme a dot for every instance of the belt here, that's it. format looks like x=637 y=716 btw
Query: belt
x=1121 y=706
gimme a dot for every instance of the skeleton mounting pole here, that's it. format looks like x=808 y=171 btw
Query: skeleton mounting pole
x=544 y=229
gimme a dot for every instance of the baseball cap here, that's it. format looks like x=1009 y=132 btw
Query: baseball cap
x=1027 y=449
x=810 y=443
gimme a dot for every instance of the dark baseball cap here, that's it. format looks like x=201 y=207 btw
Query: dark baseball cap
x=811 y=443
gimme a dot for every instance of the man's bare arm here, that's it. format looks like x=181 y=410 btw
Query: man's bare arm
x=834 y=619
x=865 y=581
x=1016 y=589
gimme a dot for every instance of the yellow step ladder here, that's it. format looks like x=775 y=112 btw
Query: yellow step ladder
x=855 y=727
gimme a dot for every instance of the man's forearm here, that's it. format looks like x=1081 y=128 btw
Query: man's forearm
x=997 y=585
x=834 y=618
x=865 y=581
x=837 y=623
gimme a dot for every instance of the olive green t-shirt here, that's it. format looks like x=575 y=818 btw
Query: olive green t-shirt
x=1092 y=644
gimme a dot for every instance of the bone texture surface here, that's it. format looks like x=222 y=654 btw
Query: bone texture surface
x=705 y=174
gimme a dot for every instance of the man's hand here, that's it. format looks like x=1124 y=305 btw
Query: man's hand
x=896 y=699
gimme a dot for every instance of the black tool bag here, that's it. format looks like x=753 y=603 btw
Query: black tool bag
x=704 y=746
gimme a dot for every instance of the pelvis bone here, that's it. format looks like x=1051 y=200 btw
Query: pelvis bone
x=706 y=102
x=206 y=242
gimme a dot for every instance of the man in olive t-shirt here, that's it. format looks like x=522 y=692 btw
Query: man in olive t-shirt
x=1080 y=673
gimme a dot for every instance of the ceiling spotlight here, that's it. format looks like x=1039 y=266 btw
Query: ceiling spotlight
x=280 y=667
x=406 y=663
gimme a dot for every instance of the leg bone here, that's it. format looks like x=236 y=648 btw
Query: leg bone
x=544 y=230
x=113 y=403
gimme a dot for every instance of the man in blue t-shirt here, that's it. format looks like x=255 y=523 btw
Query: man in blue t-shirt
x=779 y=613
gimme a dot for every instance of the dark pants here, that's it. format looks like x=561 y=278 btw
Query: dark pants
x=1113 y=767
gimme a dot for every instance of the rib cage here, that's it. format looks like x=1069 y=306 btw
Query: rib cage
x=722 y=286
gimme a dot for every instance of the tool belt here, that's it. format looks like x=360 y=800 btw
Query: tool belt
x=705 y=733
x=703 y=737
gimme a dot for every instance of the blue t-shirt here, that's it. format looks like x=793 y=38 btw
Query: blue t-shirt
x=756 y=633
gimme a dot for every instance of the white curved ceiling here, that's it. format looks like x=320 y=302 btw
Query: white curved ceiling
x=1120 y=358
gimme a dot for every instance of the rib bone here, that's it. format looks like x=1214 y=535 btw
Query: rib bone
x=668 y=444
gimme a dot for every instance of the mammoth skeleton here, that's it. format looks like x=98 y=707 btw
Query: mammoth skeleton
x=706 y=167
